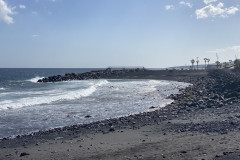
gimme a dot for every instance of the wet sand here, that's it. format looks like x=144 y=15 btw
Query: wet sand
x=196 y=126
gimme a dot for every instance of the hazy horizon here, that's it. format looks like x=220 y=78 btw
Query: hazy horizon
x=98 y=34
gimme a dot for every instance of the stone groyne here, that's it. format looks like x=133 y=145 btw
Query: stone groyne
x=88 y=75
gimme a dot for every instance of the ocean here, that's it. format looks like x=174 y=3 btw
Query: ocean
x=27 y=106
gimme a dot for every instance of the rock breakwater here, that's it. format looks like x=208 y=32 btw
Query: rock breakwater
x=88 y=75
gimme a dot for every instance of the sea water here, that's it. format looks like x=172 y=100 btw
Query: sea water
x=27 y=106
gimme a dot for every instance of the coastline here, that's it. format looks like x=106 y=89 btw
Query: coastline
x=185 y=129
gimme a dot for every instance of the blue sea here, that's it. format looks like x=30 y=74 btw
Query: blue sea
x=27 y=106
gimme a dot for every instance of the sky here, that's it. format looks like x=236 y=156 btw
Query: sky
x=102 y=33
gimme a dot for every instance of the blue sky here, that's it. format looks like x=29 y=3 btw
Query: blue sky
x=101 y=33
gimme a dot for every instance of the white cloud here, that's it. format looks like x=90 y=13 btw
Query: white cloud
x=213 y=11
x=6 y=12
x=236 y=49
x=232 y=10
x=169 y=7
x=232 y=49
x=186 y=4
x=209 y=1
x=35 y=35
x=22 y=6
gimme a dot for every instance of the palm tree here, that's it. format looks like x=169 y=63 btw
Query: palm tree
x=197 y=62
x=218 y=64
x=192 y=61
x=208 y=60
x=205 y=60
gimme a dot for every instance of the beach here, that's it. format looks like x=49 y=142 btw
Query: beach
x=202 y=123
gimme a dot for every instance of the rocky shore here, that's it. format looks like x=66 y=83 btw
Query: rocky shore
x=218 y=88
x=202 y=123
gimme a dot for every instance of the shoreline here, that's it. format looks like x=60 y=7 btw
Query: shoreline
x=149 y=107
x=164 y=75
x=173 y=120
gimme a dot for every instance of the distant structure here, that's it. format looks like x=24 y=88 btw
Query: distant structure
x=212 y=66
x=125 y=67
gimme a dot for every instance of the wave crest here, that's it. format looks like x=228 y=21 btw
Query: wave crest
x=47 y=99
x=35 y=79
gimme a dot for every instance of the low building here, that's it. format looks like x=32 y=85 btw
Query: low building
x=212 y=66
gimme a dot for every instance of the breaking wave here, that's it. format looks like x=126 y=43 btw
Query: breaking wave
x=35 y=79
x=51 y=98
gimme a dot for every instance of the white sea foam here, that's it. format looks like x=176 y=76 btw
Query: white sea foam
x=50 y=98
x=140 y=86
x=157 y=82
x=56 y=104
x=35 y=79
x=2 y=88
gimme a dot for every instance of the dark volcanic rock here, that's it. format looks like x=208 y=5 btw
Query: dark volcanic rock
x=228 y=156
x=24 y=154
x=220 y=87
x=88 y=116
x=87 y=75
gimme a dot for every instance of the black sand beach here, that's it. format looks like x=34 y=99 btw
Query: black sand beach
x=202 y=123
